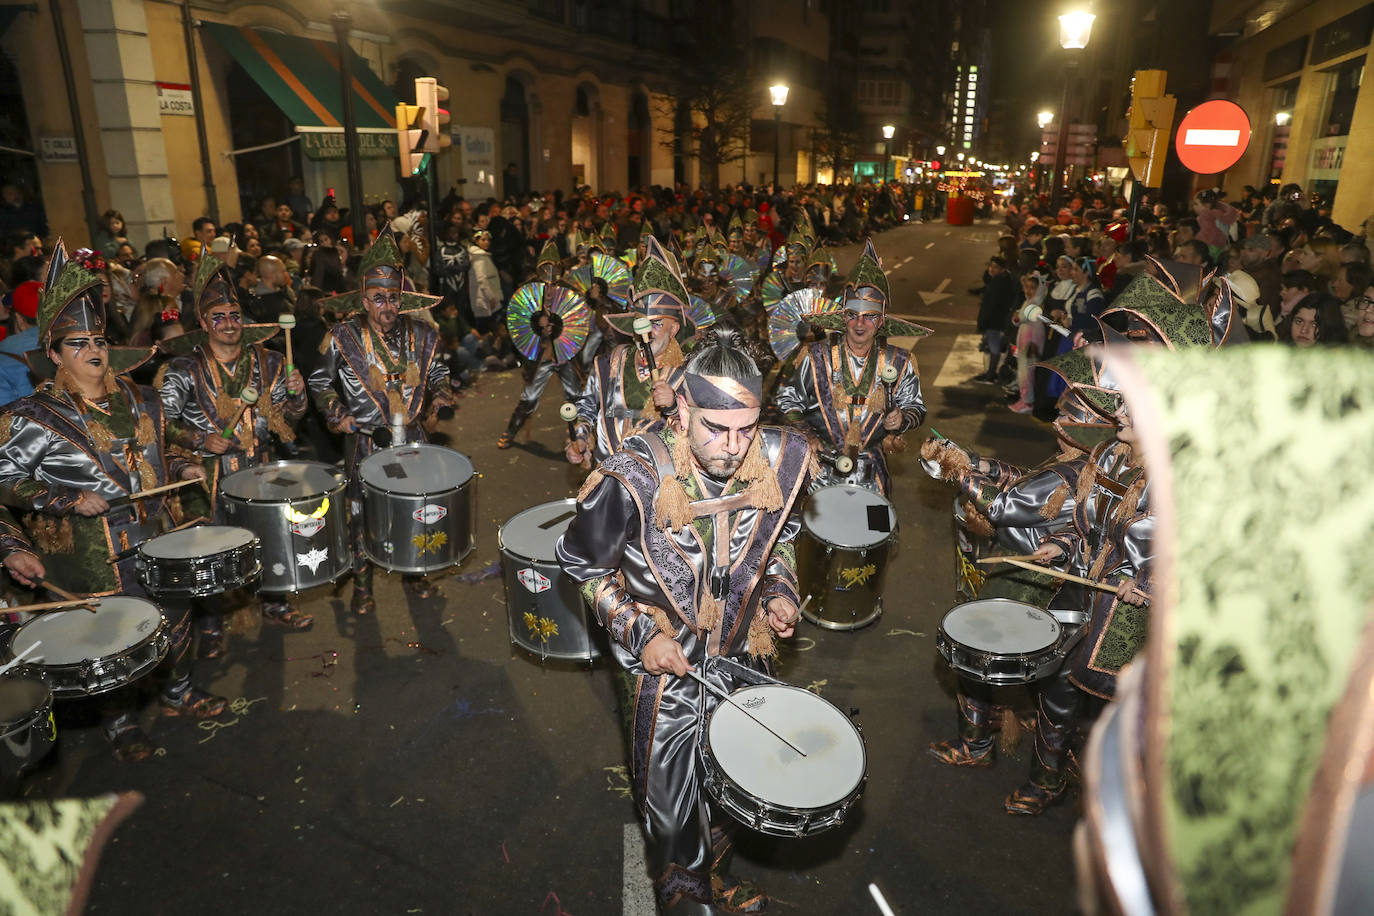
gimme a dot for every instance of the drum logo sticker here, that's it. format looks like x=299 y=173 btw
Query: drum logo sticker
x=534 y=580
x=312 y=559
x=278 y=569
x=755 y=702
x=309 y=527
x=429 y=513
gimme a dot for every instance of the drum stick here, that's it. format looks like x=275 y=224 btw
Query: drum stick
x=879 y=899
x=1027 y=557
x=731 y=700
x=54 y=605
x=248 y=397
x=643 y=328
x=1056 y=574
x=164 y=488
x=286 y=321
x=66 y=595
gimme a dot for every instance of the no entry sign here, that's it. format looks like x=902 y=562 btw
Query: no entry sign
x=1212 y=137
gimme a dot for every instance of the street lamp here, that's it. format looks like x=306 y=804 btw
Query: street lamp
x=1074 y=31
x=939 y=150
x=961 y=157
x=778 y=93
x=888 y=131
x=1044 y=119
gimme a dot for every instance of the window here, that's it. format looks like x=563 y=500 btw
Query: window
x=1343 y=88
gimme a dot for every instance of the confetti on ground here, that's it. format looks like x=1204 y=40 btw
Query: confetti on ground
x=397 y=802
x=490 y=571
x=815 y=686
x=898 y=631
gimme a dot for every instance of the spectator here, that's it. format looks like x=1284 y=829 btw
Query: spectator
x=1215 y=219
x=17 y=214
x=1316 y=319
x=1295 y=286
x=994 y=313
x=283 y=227
x=1030 y=339
x=451 y=277
x=1348 y=286
x=1087 y=302
x=1258 y=317
x=297 y=200
x=14 y=371
x=203 y=228
x=111 y=232
x=484 y=283
x=1259 y=257
x=1195 y=252
x=272 y=296
x=1363 y=334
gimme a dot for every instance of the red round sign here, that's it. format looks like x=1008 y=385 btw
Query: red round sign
x=1212 y=137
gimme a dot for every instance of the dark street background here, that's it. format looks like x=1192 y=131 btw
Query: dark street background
x=430 y=768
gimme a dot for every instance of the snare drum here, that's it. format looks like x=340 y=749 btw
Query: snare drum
x=417 y=508
x=547 y=614
x=1000 y=642
x=27 y=730
x=83 y=654
x=296 y=508
x=847 y=532
x=200 y=561
x=764 y=784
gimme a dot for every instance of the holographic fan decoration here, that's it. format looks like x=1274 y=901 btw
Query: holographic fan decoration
x=780 y=258
x=738 y=273
x=798 y=306
x=569 y=308
x=700 y=312
x=631 y=258
x=772 y=290
x=614 y=271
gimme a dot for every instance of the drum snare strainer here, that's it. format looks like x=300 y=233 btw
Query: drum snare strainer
x=766 y=785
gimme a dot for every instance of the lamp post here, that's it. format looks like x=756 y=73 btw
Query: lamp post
x=1074 y=31
x=778 y=94
x=888 y=131
x=343 y=22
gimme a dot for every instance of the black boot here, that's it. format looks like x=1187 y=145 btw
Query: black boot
x=974 y=746
x=523 y=410
x=1058 y=706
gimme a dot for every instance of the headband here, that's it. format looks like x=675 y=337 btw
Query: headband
x=718 y=392
x=865 y=299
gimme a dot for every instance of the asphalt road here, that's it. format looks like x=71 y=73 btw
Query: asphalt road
x=412 y=762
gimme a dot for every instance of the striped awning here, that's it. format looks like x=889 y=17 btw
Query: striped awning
x=301 y=75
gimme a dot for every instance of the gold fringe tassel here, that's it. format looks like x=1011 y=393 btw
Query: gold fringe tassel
x=375 y=380
x=224 y=406
x=396 y=403
x=1010 y=732
x=661 y=620
x=672 y=507
x=1050 y=510
x=412 y=379
x=1131 y=501
x=100 y=435
x=762 y=642
x=147 y=433
x=976 y=522
x=276 y=421
x=591 y=483
x=49 y=534
x=764 y=492
x=709 y=612
x=877 y=405
x=111 y=387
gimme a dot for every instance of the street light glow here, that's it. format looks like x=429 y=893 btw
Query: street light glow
x=1074 y=30
x=939 y=150
x=1035 y=154
x=961 y=157
x=1044 y=119
x=778 y=93
x=1282 y=118
x=888 y=131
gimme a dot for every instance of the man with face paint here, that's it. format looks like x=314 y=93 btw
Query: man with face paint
x=838 y=386
x=71 y=455
x=372 y=371
x=683 y=543
x=201 y=392
x=621 y=394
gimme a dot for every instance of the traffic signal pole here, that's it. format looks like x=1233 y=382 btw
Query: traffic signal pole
x=342 y=23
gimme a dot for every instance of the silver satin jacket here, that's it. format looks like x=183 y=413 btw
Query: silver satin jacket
x=602 y=410
x=342 y=382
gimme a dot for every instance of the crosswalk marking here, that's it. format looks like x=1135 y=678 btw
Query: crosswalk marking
x=963 y=363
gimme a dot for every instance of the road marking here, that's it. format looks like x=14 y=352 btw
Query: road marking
x=907 y=258
x=895 y=267
x=963 y=363
x=938 y=294
x=930 y=245
x=636 y=888
x=943 y=283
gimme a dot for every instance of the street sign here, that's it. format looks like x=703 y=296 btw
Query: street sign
x=1212 y=137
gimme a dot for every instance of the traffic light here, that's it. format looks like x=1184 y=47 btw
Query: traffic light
x=410 y=138
x=428 y=95
x=1151 y=121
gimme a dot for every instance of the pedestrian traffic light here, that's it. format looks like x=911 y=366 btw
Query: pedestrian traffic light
x=1151 y=121
x=428 y=95
x=410 y=138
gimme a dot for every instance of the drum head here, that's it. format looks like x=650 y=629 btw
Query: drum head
x=763 y=766
x=416 y=469
x=281 y=481
x=845 y=515
x=69 y=637
x=21 y=695
x=202 y=541
x=1001 y=626
x=533 y=533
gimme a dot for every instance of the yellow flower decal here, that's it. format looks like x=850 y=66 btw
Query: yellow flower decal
x=857 y=575
x=426 y=543
x=541 y=628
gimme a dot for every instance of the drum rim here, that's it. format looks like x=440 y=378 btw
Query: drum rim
x=847 y=799
x=340 y=481
x=1058 y=641
x=816 y=535
x=501 y=532
x=417 y=445
x=254 y=543
x=153 y=634
x=428 y=494
x=32 y=673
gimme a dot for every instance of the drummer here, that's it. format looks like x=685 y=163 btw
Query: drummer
x=201 y=395
x=537 y=372
x=860 y=417
x=71 y=454
x=657 y=500
x=621 y=394
x=373 y=369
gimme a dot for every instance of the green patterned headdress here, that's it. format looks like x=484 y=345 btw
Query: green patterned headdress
x=1155 y=314
x=751 y=218
x=797 y=242
x=736 y=228
x=213 y=284
x=866 y=289
x=70 y=301
x=381 y=256
x=1082 y=371
x=548 y=255
x=657 y=290
x=609 y=237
